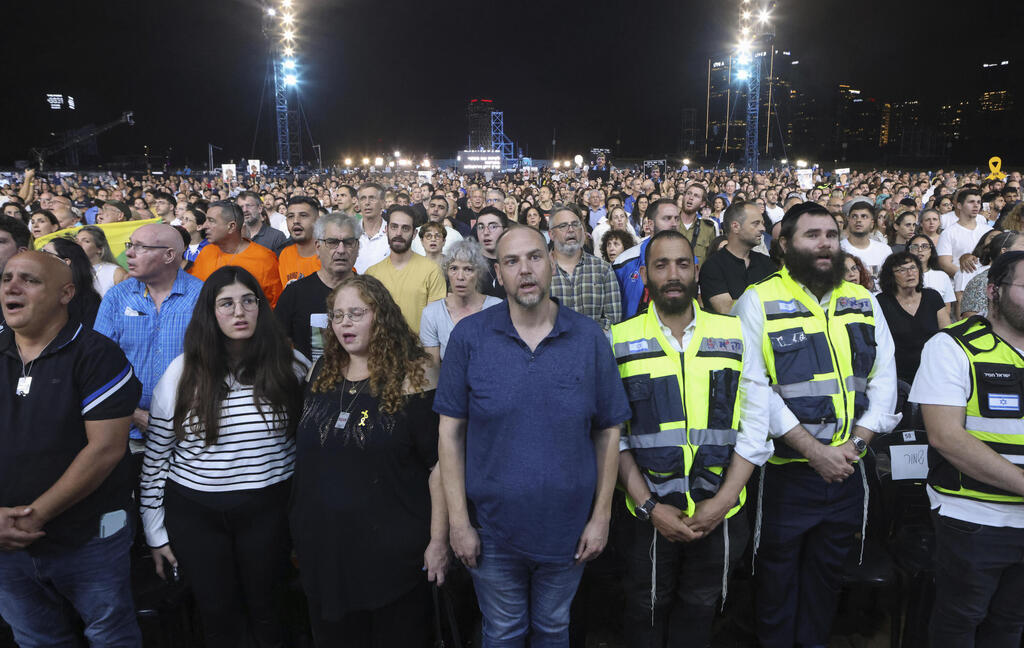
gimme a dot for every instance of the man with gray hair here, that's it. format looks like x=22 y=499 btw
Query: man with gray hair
x=302 y=309
x=148 y=312
x=258 y=228
x=581 y=281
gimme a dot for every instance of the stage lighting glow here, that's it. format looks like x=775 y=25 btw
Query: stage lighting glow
x=686 y=161
x=348 y=161
x=783 y=161
x=289 y=51
x=286 y=3
x=556 y=164
x=578 y=160
x=743 y=75
x=290 y=79
x=287 y=19
x=378 y=161
x=425 y=163
x=289 y=34
x=566 y=164
x=746 y=15
x=764 y=16
x=289 y=64
x=398 y=154
x=801 y=164
x=366 y=161
x=271 y=12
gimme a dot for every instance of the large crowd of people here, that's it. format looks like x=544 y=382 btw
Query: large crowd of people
x=385 y=379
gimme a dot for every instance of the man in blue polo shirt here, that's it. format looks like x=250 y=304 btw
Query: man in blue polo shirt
x=530 y=404
x=66 y=398
x=147 y=313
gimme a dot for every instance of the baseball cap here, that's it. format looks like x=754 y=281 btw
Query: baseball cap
x=121 y=206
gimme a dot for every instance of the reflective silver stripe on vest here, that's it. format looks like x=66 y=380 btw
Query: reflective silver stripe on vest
x=674 y=485
x=823 y=431
x=714 y=437
x=784 y=307
x=856 y=384
x=995 y=426
x=808 y=388
x=631 y=347
x=664 y=439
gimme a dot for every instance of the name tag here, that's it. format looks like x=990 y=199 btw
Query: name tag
x=24 y=386
x=1004 y=402
x=318 y=320
x=342 y=420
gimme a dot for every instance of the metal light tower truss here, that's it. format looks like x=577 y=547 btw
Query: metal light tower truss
x=501 y=142
x=284 y=137
x=280 y=30
x=753 y=111
x=754 y=22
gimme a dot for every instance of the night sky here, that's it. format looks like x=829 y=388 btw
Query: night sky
x=377 y=75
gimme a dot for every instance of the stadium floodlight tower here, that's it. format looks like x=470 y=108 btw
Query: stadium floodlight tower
x=500 y=141
x=755 y=26
x=280 y=30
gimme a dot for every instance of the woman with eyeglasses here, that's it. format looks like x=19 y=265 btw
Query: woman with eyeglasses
x=432 y=236
x=220 y=454
x=924 y=249
x=912 y=312
x=368 y=515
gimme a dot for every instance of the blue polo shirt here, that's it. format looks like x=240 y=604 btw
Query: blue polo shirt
x=151 y=339
x=531 y=470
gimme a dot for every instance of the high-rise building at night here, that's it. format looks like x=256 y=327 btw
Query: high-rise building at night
x=478 y=117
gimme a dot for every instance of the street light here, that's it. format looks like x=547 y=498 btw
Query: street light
x=271 y=11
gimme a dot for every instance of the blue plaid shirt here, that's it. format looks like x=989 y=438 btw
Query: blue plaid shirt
x=150 y=339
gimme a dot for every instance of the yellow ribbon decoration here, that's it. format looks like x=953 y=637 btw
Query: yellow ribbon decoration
x=994 y=164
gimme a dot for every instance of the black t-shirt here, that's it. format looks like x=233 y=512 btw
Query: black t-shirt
x=302 y=311
x=360 y=514
x=724 y=272
x=910 y=332
x=492 y=287
x=80 y=376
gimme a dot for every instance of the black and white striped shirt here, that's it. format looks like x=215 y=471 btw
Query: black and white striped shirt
x=252 y=449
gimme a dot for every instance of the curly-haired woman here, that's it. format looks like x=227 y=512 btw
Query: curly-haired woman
x=368 y=517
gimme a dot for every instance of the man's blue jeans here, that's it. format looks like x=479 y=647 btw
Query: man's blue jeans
x=39 y=595
x=520 y=597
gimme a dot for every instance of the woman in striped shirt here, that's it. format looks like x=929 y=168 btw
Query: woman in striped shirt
x=220 y=454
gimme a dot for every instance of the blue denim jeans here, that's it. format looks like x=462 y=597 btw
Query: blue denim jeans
x=520 y=597
x=38 y=595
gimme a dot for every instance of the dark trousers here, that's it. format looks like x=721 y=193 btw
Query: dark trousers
x=235 y=561
x=807 y=529
x=979 y=585
x=688 y=583
x=404 y=623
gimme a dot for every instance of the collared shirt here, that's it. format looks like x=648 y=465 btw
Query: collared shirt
x=269 y=238
x=596 y=215
x=372 y=250
x=529 y=417
x=752 y=443
x=881 y=391
x=150 y=338
x=590 y=290
x=80 y=376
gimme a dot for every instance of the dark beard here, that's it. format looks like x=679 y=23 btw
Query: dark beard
x=801 y=267
x=672 y=305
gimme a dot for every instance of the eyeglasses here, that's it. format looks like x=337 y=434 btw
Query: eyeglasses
x=138 y=247
x=490 y=227
x=354 y=315
x=570 y=226
x=433 y=237
x=905 y=269
x=919 y=247
x=227 y=306
x=333 y=242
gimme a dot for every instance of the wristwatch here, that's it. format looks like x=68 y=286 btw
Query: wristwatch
x=859 y=444
x=644 y=512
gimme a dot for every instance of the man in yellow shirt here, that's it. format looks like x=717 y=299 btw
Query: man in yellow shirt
x=412 y=279
x=298 y=257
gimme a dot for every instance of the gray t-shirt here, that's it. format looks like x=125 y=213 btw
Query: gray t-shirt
x=436 y=323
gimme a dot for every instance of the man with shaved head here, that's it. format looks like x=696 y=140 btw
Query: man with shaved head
x=66 y=398
x=147 y=313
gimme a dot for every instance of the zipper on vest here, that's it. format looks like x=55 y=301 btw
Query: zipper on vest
x=835 y=368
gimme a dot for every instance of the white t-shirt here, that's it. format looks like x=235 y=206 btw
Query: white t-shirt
x=961 y=278
x=775 y=213
x=956 y=240
x=939 y=281
x=372 y=250
x=949 y=218
x=451 y=239
x=872 y=257
x=944 y=379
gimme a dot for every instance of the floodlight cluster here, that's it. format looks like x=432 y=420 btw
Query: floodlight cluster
x=284 y=31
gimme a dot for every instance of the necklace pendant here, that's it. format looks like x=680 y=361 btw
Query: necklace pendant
x=352 y=390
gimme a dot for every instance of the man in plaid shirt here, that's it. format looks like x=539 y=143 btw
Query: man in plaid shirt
x=581 y=281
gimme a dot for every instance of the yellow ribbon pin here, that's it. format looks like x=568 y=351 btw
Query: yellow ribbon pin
x=365 y=415
x=994 y=164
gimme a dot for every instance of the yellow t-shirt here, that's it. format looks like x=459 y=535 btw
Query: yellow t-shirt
x=417 y=284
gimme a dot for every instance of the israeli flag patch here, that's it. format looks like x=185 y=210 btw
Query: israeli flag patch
x=1004 y=402
x=788 y=306
x=638 y=346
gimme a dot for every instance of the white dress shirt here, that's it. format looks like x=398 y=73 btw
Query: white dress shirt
x=373 y=249
x=881 y=391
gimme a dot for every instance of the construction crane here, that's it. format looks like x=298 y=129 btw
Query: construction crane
x=44 y=152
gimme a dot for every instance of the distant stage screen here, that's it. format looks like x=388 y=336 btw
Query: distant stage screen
x=480 y=161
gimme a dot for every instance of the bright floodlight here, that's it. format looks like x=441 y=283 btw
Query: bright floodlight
x=286 y=3
x=743 y=75
x=764 y=16
x=556 y=164
x=377 y=161
x=288 y=51
x=802 y=164
x=578 y=160
x=366 y=161
x=425 y=162
x=783 y=161
x=686 y=161
x=746 y=15
x=566 y=164
x=287 y=19
x=289 y=64
x=289 y=34
x=271 y=12
x=348 y=161
x=398 y=154
x=290 y=79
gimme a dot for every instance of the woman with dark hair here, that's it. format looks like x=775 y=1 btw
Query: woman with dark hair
x=433 y=236
x=921 y=246
x=615 y=242
x=15 y=210
x=534 y=218
x=912 y=312
x=368 y=516
x=86 y=303
x=220 y=453
x=855 y=272
x=43 y=222
x=639 y=211
x=106 y=272
x=902 y=229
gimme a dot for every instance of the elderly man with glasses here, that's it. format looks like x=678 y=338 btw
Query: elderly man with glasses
x=581 y=281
